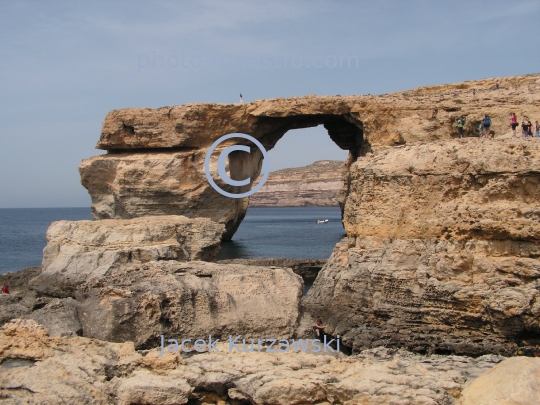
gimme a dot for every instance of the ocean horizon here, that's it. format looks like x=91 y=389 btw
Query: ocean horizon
x=265 y=232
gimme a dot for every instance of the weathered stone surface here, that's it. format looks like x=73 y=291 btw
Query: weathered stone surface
x=81 y=370
x=79 y=250
x=165 y=183
x=22 y=300
x=315 y=185
x=472 y=188
x=39 y=369
x=190 y=300
x=430 y=295
x=515 y=381
x=12 y=306
x=442 y=249
x=59 y=317
x=426 y=113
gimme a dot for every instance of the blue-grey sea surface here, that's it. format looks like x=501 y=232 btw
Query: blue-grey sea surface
x=285 y=232
x=265 y=232
x=22 y=233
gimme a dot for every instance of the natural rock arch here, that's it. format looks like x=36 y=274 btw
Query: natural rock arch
x=154 y=164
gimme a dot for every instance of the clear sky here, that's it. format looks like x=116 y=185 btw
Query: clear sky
x=65 y=64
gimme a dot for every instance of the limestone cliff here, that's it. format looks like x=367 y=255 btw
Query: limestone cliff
x=315 y=185
x=443 y=234
x=442 y=249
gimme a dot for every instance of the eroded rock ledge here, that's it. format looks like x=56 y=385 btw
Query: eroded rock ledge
x=306 y=268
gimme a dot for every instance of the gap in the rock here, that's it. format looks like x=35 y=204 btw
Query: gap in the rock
x=292 y=231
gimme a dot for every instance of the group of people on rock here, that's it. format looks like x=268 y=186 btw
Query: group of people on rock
x=526 y=126
x=484 y=127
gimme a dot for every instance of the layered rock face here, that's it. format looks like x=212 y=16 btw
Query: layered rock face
x=316 y=185
x=79 y=250
x=189 y=300
x=163 y=183
x=155 y=160
x=37 y=368
x=442 y=249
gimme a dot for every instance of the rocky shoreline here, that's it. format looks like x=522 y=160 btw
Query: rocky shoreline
x=435 y=286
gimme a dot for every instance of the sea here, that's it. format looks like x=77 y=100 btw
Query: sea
x=290 y=232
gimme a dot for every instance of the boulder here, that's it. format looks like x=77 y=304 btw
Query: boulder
x=21 y=300
x=189 y=300
x=515 y=381
x=79 y=250
x=59 y=317
x=13 y=306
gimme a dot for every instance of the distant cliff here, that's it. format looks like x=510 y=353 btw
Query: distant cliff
x=316 y=185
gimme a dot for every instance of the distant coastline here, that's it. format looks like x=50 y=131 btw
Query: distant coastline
x=315 y=185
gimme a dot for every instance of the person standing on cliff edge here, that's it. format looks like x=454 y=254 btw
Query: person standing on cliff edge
x=241 y=100
x=514 y=124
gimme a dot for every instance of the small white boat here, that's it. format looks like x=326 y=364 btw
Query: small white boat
x=322 y=221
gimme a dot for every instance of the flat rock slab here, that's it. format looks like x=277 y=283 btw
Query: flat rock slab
x=79 y=250
x=189 y=300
